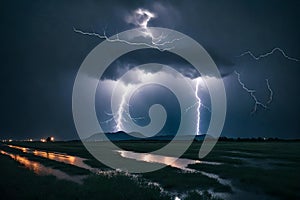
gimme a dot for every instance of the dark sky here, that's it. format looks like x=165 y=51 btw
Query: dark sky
x=40 y=55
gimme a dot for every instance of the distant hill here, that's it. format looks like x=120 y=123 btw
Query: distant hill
x=117 y=136
x=123 y=136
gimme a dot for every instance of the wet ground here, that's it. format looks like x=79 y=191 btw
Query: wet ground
x=228 y=173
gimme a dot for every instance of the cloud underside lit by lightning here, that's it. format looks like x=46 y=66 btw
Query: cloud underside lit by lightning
x=252 y=94
x=268 y=54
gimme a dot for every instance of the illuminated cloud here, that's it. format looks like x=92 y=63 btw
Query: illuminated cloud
x=135 y=79
x=140 y=17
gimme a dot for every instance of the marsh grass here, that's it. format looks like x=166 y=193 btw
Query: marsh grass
x=279 y=181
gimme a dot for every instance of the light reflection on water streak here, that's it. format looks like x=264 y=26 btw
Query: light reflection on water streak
x=40 y=169
x=68 y=159
x=60 y=157
x=180 y=163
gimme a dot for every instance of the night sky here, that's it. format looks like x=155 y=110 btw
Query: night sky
x=41 y=54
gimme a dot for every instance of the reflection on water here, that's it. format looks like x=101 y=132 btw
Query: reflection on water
x=40 y=169
x=181 y=163
x=60 y=157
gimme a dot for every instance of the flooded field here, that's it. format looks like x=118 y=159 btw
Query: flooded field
x=40 y=169
x=181 y=163
x=231 y=171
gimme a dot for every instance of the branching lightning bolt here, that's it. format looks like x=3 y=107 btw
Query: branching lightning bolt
x=140 y=18
x=269 y=53
x=118 y=117
x=107 y=121
x=252 y=94
x=196 y=104
x=155 y=41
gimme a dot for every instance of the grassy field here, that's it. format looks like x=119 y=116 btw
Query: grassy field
x=268 y=170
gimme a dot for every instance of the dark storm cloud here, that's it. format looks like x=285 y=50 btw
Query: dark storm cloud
x=135 y=58
x=40 y=55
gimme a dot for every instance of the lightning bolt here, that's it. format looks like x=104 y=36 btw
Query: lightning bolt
x=271 y=92
x=118 y=116
x=198 y=104
x=119 y=126
x=269 y=53
x=198 y=107
x=155 y=42
x=140 y=18
x=252 y=94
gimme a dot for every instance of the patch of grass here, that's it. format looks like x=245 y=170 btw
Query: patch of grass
x=196 y=196
x=283 y=183
x=174 y=180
